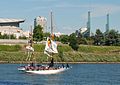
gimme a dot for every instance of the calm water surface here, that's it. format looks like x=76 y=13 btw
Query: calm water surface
x=80 y=74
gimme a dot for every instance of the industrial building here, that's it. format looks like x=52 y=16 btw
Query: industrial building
x=85 y=31
x=11 y=27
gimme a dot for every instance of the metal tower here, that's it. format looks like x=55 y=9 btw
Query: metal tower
x=107 y=25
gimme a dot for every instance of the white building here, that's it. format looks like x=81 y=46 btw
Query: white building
x=58 y=34
x=41 y=21
x=11 y=26
x=82 y=30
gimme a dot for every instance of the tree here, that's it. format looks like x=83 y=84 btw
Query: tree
x=64 y=39
x=98 y=39
x=73 y=41
x=45 y=35
x=38 y=33
x=22 y=37
x=112 y=38
x=12 y=36
x=5 y=36
x=82 y=41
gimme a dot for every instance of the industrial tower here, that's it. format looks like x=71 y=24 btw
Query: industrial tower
x=107 y=25
x=88 y=25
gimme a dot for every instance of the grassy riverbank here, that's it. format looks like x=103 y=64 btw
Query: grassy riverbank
x=17 y=53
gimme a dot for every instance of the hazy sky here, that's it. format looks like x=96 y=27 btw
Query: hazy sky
x=69 y=15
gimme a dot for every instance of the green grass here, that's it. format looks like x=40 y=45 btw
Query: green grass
x=64 y=48
x=84 y=54
x=10 y=48
x=39 y=47
x=98 y=49
x=68 y=57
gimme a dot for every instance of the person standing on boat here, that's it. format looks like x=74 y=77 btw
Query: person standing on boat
x=51 y=63
x=63 y=65
x=67 y=66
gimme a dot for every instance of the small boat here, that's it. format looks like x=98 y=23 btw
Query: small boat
x=45 y=69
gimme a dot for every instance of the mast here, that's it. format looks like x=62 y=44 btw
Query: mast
x=30 y=48
x=31 y=38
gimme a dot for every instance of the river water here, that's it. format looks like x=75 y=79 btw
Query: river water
x=79 y=74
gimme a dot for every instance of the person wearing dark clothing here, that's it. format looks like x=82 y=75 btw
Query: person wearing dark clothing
x=67 y=66
x=51 y=63
x=31 y=64
x=63 y=65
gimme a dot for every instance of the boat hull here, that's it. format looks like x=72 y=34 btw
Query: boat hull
x=56 y=71
x=21 y=68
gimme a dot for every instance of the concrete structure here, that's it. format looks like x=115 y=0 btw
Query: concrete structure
x=88 y=26
x=10 y=22
x=41 y=21
x=11 y=26
x=107 y=25
x=13 y=41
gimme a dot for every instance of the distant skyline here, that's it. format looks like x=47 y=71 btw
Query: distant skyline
x=69 y=15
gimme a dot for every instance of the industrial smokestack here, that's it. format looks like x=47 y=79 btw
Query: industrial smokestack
x=107 y=25
x=88 y=25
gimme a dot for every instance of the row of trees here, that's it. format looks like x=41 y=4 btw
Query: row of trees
x=111 y=37
x=6 y=36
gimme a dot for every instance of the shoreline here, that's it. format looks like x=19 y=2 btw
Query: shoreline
x=24 y=62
